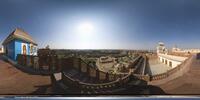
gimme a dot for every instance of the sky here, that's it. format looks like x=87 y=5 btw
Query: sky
x=109 y=24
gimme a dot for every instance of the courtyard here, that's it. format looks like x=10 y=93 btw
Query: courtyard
x=156 y=67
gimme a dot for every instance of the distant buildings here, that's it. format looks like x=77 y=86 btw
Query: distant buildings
x=168 y=57
x=178 y=50
x=19 y=42
x=106 y=59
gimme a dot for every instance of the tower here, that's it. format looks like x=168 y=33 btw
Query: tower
x=161 y=48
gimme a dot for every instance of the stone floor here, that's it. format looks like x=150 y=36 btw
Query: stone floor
x=157 y=67
x=14 y=81
x=189 y=83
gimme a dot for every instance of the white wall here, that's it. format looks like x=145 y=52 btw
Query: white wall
x=2 y=50
x=173 y=61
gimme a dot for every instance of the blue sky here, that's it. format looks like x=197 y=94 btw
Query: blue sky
x=118 y=24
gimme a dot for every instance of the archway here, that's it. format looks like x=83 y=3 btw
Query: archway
x=166 y=62
x=24 y=50
x=170 y=64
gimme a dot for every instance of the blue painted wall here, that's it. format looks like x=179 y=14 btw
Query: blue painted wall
x=10 y=49
x=14 y=48
x=17 y=48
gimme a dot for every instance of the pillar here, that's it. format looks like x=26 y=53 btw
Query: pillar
x=107 y=76
x=79 y=64
x=88 y=70
x=97 y=74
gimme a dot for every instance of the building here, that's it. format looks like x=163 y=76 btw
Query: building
x=106 y=59
x=190 y=51
x=19 y=42
x=171 y=59
x=161 y=48
x=176 y=49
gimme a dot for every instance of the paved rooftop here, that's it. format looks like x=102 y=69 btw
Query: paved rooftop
x=188 y=83
x=14 y=81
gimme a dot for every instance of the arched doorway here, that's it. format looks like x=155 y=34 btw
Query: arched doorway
x=31 y=49
x=170 y=64
x=24 y=50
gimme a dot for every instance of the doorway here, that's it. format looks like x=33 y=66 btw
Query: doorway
x=170 y=64
x=24 y=50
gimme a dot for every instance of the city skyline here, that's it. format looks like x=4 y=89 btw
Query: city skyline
x=114 y=24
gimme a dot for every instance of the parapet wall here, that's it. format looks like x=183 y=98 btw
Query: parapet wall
x=87 y=86
x=171 y=74
x=91 y=71
x=49 y=63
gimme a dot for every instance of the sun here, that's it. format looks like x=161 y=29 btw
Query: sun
x=86 y=27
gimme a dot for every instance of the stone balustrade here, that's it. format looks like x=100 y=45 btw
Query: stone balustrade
x=26 y=60
x=142 y=77
x=51 y=62
x=162 y=75
x=91 y=71
x=77 y=84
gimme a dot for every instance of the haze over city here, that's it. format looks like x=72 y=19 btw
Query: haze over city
x=104 y=24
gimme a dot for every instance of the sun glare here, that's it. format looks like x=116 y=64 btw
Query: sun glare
x=86 y=27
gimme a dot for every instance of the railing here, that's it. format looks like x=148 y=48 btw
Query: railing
x=35 y=62
x=135 y=61
x=68 y=80
x=91 y=71
x=138 y=67
x=26 y=60
x=162 y=75
x=159 y=76
x=51 y=62
x=142 y=77
x=144 y=64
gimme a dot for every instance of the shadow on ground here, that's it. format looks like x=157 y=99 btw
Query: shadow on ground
x=42 y=90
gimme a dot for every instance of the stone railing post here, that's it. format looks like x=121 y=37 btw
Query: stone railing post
x=97 y=74
x=88 y=70
x=107 y=76
x=115 y=76
x=79 y=64
x=147 y=77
